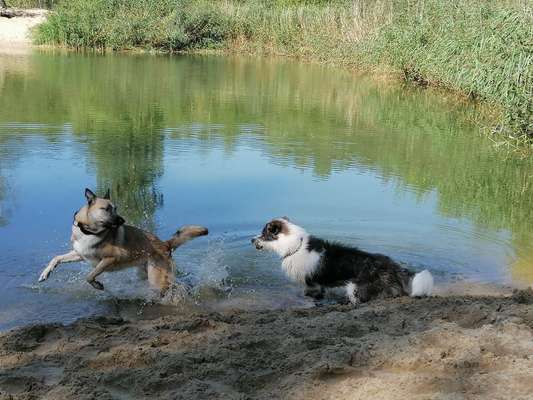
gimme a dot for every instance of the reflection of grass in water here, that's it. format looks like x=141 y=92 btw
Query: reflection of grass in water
x=480 y=48
x=6 y=162
x=3 y=205
x=128 y=157
x=311 y=117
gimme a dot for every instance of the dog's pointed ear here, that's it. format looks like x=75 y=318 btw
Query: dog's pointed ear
x=90 y=196
x=107 y=195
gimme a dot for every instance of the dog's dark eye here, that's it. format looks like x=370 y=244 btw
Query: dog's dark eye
x=274 y=229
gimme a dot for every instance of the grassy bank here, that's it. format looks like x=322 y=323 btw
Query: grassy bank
x=480 y=48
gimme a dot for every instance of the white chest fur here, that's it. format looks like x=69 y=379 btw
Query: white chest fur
x=85 y=245
x=301 y=264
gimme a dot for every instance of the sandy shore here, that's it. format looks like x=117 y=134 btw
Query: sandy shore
x=15 y=32
x=454 y=347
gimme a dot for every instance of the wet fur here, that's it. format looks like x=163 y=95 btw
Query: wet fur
x=320 y=264
x=100 y=237
x=372 y=275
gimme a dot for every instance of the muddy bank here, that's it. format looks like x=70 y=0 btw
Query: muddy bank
x=437 y=348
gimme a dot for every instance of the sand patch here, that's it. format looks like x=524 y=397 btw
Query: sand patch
x=15 y=32
x=449 y=347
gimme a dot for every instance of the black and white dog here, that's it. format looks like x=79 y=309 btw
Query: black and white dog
x=320 y=264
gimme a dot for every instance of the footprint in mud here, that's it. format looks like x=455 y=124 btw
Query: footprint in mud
x=30 y=377
x=29 y=338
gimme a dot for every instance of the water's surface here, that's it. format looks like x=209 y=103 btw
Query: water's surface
x=230 y=143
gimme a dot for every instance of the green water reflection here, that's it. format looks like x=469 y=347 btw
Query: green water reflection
x=308 y=117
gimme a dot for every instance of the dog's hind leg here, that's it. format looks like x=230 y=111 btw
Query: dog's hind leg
x=100 y=267
x=357 y=293
x=71 y=256
x=352 y=293
x=160 y=275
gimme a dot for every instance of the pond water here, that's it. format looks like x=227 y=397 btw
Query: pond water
x=230 y=143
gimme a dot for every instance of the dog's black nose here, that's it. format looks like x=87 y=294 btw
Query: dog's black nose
x=257 y=243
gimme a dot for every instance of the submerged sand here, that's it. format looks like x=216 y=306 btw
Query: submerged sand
x=449 y=347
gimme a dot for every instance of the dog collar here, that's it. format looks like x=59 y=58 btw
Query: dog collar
x=293 y=252
x=85 y=231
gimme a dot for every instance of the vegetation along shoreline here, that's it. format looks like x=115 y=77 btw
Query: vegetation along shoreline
x=481 y=49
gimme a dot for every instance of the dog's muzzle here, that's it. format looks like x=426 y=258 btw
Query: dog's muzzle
x=257 y=243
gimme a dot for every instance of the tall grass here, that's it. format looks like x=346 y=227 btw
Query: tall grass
x=168 y=25
x=481 y=48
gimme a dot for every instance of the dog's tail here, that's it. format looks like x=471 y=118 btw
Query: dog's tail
x=184 y=234
x=422 y=284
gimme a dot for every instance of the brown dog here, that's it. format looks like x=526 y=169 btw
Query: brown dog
x=100 y=237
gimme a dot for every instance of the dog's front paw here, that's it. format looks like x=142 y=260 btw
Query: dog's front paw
x=97 y=285
x=44 y=275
